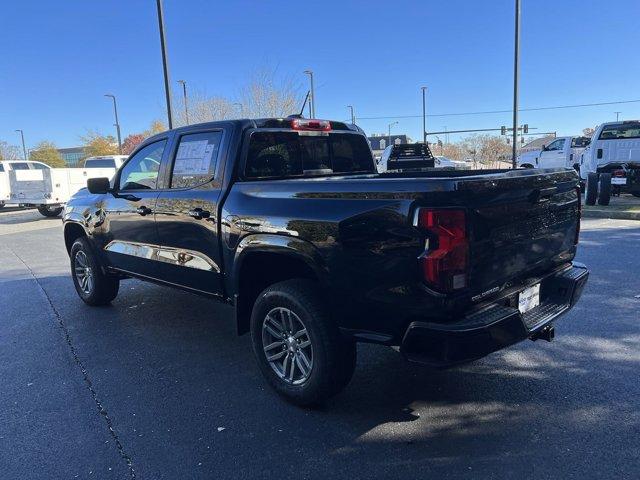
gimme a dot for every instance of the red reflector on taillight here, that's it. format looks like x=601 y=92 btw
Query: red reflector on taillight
x=444 y=263
x=310 y=124
x=618 y=173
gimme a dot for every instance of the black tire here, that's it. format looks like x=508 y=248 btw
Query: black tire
x=49 y=211
x=591 y=191
x=2 y=204
x=635 y=194
x=604 y=189
x=103 y=288
x=333 y=357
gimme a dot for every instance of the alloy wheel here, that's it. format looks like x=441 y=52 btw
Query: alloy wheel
x=287 y=345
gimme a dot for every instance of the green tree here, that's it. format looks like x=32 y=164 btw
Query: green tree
x=96 y=144
x=46 y=152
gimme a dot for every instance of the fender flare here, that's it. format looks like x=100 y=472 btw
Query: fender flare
x=278 y=244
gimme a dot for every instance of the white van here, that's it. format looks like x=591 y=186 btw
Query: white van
x=105 y=161
x=611 y=164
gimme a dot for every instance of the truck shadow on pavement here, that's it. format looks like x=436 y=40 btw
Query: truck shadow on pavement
x=183 y=389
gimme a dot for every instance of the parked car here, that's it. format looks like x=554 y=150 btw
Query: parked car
x=611 y=163
x=287 y=221
x=561 y=152
x=444 y=162
x=35 y=184
x=105 y=161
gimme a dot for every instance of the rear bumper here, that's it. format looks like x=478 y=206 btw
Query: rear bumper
x=494 y=326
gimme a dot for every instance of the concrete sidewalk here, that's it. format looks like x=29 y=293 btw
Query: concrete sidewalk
x=624 y=207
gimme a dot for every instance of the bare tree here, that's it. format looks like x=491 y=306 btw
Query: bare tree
x=9 y=152
x=270 y=95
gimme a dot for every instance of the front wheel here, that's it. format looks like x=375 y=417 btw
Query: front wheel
x=298 y=347
x=94 y=287
x=50 y=210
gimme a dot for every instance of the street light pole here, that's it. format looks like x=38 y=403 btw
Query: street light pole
x=353 y=117
x=165 y=62
x=24 y=149
x=617 y=116
x=117 y=124
x=184 y=95
x=516 y=61
x=389 y=137
x=312 y=102
x=424 y=115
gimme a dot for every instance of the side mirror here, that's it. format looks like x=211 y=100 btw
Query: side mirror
x=544 y=148
x=98 y=185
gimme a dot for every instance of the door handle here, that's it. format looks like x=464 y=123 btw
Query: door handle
x=199 y=213
x=143 y=210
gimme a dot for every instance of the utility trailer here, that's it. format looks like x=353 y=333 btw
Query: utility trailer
x=34 y=184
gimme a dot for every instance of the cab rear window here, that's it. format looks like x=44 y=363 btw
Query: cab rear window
x=290 y=154
x=628 y=130
x=100 y=163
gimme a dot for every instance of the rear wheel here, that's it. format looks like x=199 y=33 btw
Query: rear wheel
x=591 y=192
x=298 y=347
x=604 y=189
x=2 y=204
x=50 y=210
x=94 y=287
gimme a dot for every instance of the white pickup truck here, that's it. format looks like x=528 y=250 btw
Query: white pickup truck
x=35 y=184
x=561 y=152
x=611 y=164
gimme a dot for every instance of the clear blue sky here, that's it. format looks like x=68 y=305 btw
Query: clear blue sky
x=59 y=58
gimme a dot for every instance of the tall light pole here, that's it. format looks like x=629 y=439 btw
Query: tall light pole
x=446 y=134
x=312 y=102
x=353 y=117
x=617 y=116
x=24 y=149
x=516 y=62
x=424 y=114
x=184 y=96
x=165 y=63
x=117 y=124
x=389 y=137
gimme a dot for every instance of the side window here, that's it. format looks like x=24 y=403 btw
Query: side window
x=141 y=171
x=557 y=145
x=1 y=168
x=196 y=159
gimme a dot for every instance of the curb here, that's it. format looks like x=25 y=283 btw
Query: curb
x=614 y=214
x=11 y=211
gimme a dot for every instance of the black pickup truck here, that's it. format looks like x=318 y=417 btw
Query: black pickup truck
x=287 y=221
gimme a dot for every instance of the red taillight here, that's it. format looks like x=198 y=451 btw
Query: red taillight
x=444 y=263
x=579 y=193
x=618 y=173
x=310 y=124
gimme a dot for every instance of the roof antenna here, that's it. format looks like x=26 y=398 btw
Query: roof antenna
x=304 y=104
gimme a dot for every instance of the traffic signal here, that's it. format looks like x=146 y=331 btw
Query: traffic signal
x=525 y=128
x=503 y=130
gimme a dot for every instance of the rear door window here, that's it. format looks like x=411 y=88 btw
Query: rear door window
x=287 y=154
x=196 y=159
x=100 y=163
x=20 y=166
x=620 y=131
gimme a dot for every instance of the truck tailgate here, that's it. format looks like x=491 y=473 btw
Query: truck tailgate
x=521 y=226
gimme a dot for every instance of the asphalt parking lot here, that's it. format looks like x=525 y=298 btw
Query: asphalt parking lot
x=157 y=386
